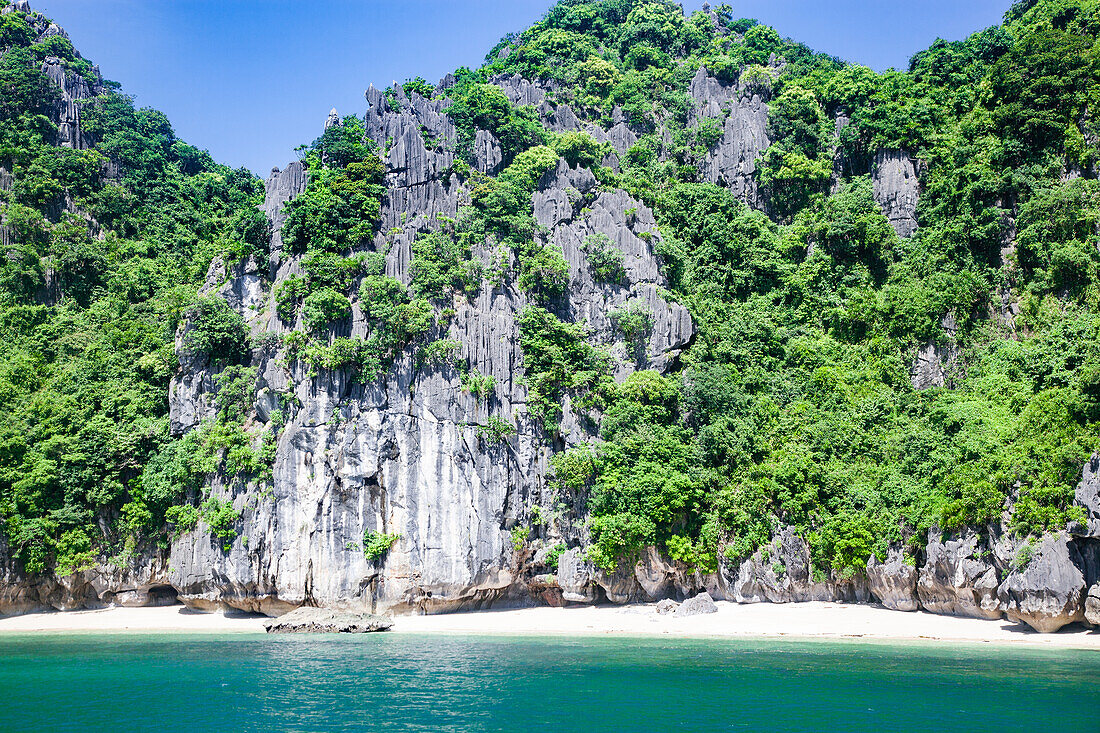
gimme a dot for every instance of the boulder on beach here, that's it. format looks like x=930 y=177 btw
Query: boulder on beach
x=325 y=621
x=701 y=603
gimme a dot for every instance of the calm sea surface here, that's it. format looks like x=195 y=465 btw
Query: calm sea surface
x=384 y=682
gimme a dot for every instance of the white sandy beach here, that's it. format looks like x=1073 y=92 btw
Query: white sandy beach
x=794 y=620
x=153 y=619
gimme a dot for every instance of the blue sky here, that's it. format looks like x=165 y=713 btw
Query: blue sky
x=249 y=80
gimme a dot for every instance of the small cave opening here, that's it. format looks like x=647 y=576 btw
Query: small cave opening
x=163 y=595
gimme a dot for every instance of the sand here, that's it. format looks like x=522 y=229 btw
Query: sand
x=162 y=618
x=794 y=620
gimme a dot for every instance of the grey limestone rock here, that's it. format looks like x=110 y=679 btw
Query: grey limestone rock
x=651 y=578
x=520 y=91
x=189 y=395
x=281 y=187
x=563 y=119
x=1089 y=551
x=1092 y=605
x=717 y=20
x=896 y=184
x=621 y=137
x=575 y=577
x=700 y=604
x=17 y=594
x=402 y=455
x=570 y=205
x=325 y=621
x=662 y=578
x=782 y=572
x=487 y=153
x=744 y=117
x=929 y=367
x=893 y=582
x=1049 y=591
x=143 y=582
x=72 y=88
x=6 y=182
x=934 y=362
x=667 y=606
x=620 y=585
x=72 y=91
x=1087 y=496
x=655 y=575
x=712 y=97
x=959 y=578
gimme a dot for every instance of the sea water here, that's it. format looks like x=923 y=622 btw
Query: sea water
x=399 y=682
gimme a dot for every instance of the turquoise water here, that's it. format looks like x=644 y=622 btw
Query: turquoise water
x=384 y=682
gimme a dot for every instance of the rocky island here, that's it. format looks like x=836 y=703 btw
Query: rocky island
x=651 y=306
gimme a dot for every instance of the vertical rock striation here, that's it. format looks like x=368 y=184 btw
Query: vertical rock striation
x=744 y=118
x=1049 y=591
x=896 y=185
x=402 y=456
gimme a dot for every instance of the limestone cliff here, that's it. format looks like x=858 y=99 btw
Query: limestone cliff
x=402 y=456
x=405 y=455
x=72 y=89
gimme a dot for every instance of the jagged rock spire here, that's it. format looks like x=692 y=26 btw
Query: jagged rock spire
x=373 y=96
x=333 y=119
x=18 y=6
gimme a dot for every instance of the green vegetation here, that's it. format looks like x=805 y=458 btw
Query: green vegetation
x=794 y=404
x=495 y=430
x=558 y=360
x=336 y=215
x=554 y=556
x=288 y=295
x=1024 y=554
x=479 y=385
x=216 y=330
x=477 y=105
x=606 y=259
x=438 y=352
x=376 y=545
x=89 y=310
x=519 y=536
x=633 y=320
x=442 y=263
x=322 y=307
x=221 y=518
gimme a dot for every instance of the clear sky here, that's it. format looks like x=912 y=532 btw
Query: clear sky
x=249 y=80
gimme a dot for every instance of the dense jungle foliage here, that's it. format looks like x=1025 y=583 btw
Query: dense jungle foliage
x=108 y=247
x=794 y=405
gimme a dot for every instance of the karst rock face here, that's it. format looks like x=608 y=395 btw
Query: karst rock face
x=402 y=455
x=65 y=113
x=743 y=116
x=895 y=180
x=893 y=582
x=1049 y=591
x=1087 y=497
x=959 y=577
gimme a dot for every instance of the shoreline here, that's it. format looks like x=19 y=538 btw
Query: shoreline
x=795 y=621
